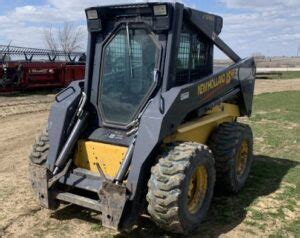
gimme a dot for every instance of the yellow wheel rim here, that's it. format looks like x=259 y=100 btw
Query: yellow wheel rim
x=241 y=162
x=197 y=189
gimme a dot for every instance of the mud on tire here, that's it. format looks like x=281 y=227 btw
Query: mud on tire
x=168 y=187
x=40 y=149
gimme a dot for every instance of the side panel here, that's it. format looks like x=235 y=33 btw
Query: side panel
x=61 y=119
x=199 y=130
x=203 y=95
x=247 y=75
x=108 y=157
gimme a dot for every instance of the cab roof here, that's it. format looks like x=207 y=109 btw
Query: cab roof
x=213 y=23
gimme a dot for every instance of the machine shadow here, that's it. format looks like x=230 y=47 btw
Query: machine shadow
x=72 y=211
x=227 y=211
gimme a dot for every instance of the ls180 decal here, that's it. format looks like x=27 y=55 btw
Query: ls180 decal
x=221 y=80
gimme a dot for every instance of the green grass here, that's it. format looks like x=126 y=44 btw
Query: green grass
x=283 y=107
x=276 y=127
x=293 y=228
x=275 y=123
x=290 y=75
x=274 y=183
x=283 y=75
x=257 y=215
x=96 y=227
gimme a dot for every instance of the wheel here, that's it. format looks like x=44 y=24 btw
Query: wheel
x=40 y=149
x=232 y=147
x=181 y=187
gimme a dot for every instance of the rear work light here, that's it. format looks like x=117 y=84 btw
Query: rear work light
x=160 y=10
x=93 y=20
x=92 y=14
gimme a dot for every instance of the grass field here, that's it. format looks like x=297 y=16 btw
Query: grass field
x=282 y=75
x=269 y=204
x=290 y=75
x=276 y=126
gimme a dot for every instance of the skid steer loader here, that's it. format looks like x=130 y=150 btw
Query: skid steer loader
x=153 y=127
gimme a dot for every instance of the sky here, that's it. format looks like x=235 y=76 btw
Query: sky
x=269 y=27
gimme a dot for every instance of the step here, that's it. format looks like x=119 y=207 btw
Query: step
x=79 y=200
x=83 y=179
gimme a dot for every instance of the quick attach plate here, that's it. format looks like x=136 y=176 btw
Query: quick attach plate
x=39 y=177
x=112 y=198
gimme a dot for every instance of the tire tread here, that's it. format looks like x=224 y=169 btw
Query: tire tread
x=164 y=185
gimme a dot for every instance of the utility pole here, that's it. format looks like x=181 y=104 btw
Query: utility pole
x=298 y=53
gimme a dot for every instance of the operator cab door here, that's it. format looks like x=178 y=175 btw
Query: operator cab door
x=130 y=58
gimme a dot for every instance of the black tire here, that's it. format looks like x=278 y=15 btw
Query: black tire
x=40 y=149
x=168 y=187
x=39 y=156
x=225 y=144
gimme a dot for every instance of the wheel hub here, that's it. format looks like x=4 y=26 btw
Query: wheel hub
x=197 y=189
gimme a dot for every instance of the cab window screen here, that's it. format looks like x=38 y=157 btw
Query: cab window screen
x=184 y=52
x=129 y=63
x=183 y=59
x=193 y=60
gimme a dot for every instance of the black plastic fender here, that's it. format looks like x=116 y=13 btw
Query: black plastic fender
x=61 y=118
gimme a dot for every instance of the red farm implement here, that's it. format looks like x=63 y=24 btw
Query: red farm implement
x=16 y=75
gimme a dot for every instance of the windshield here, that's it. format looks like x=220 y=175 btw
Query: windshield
x=128 y=74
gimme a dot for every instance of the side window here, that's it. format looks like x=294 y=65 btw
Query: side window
x=193 y=60
x=183 y=59
x=199 y=57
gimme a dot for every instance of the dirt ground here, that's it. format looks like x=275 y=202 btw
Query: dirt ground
x=21 y=120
